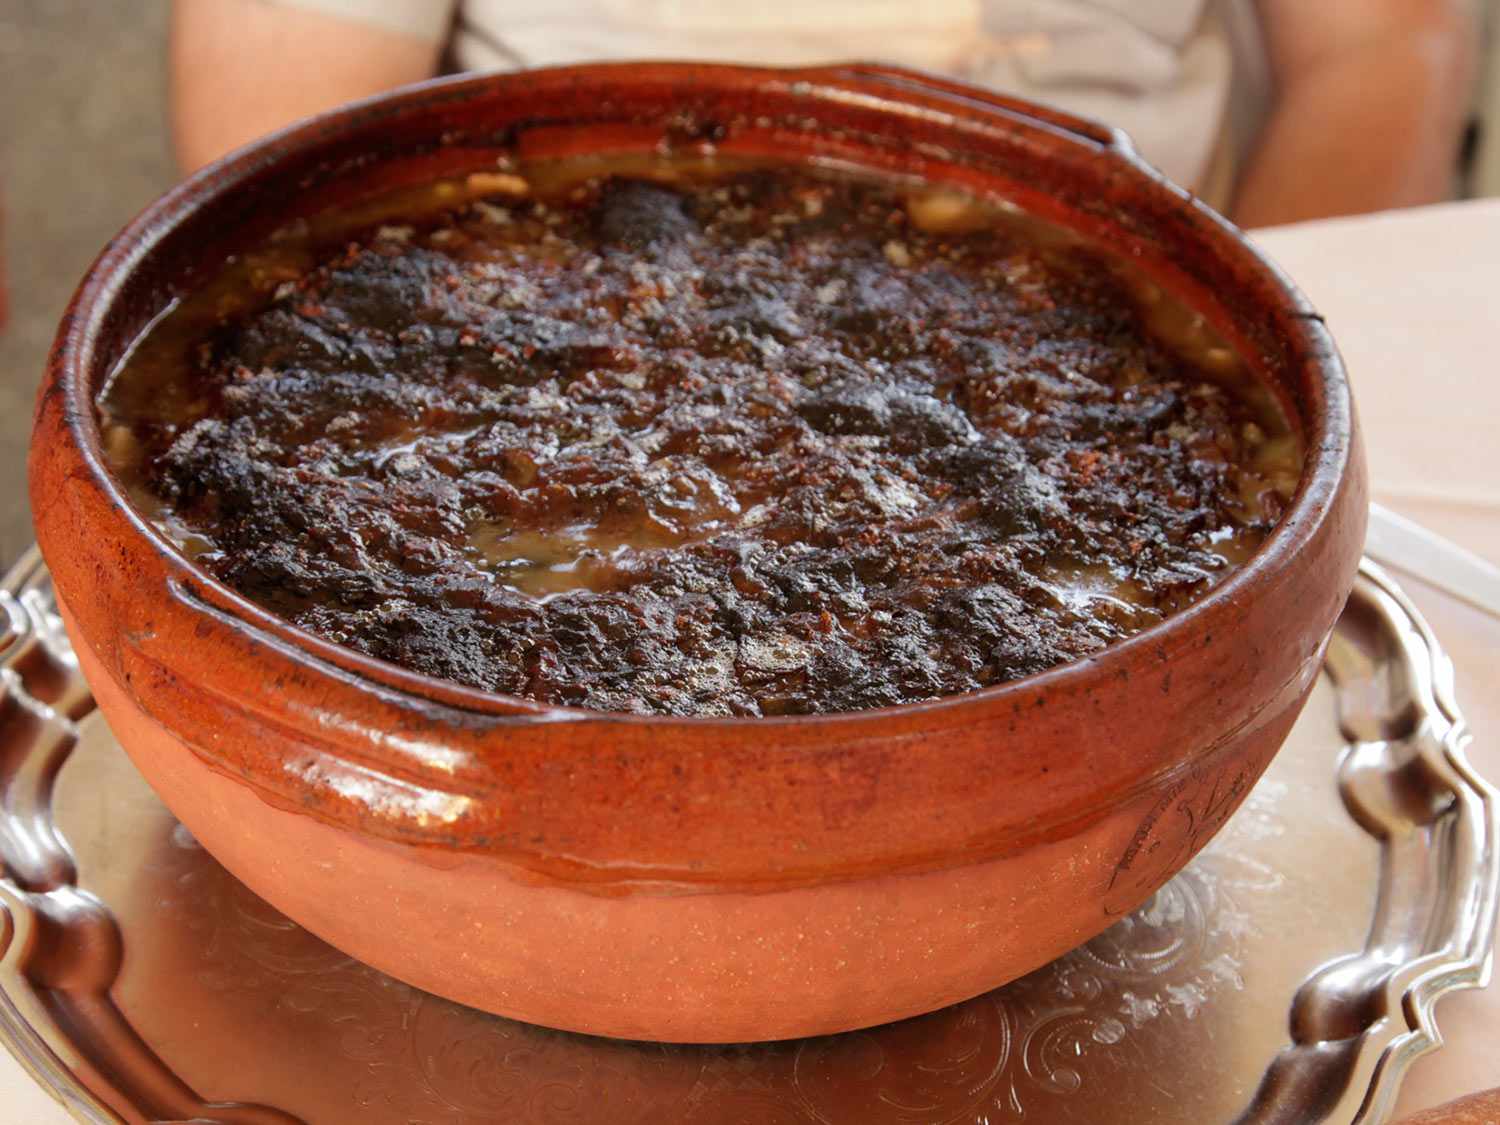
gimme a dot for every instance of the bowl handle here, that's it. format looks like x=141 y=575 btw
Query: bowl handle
x=987 y=101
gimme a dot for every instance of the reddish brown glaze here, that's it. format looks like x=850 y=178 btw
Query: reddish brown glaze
x=693 y=878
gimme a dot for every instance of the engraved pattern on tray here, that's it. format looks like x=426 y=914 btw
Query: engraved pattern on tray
x=1052 y=1046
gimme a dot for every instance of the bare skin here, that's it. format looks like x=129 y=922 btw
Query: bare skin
x=1369 y=114
x=243 y=68
x=1371 y=101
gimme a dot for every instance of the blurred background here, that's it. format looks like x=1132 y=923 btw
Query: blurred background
x=84 y=145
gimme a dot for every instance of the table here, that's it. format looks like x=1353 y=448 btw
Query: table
x=1410 y=296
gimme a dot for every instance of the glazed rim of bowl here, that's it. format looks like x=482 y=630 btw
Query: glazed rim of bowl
x=1286 y=335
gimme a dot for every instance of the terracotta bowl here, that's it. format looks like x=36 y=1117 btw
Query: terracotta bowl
x=693 y=879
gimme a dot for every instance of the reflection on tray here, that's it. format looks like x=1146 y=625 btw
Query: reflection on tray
x=1355 y=885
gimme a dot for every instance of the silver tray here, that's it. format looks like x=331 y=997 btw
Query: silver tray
x=1288 y=974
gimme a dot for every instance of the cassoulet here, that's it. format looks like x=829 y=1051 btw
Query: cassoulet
x=690 y=440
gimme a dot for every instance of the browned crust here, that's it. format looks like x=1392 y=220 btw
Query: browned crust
x=851 y=456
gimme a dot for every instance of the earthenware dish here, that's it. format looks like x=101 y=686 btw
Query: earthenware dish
x=693 y=879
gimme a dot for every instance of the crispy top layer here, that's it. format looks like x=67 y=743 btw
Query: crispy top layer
x=774 y=443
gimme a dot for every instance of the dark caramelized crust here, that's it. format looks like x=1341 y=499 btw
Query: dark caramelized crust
x=755 y=446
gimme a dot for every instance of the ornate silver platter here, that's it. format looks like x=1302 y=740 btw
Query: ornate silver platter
x=1289 y=974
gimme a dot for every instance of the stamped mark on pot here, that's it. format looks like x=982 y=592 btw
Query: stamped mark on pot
x=1174 y=830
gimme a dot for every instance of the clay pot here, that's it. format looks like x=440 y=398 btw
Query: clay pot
x=693 y=879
